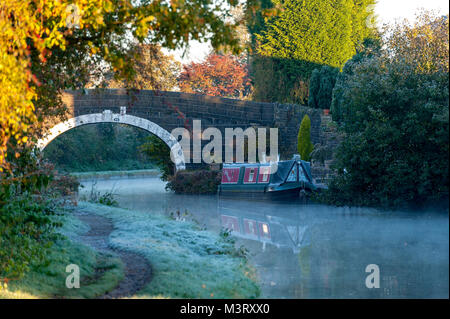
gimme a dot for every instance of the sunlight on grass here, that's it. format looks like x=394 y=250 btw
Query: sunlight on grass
x=6 y=294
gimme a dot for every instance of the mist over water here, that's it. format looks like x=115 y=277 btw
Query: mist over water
x=313 y=251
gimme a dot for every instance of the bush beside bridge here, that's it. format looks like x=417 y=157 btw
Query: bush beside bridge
x=195 y=182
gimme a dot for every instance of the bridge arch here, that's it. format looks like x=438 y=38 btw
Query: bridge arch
x=107 y=116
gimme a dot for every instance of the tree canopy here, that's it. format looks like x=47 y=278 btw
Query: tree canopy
x=423 y=43
x=83 y=33
x=153 y=69
x=52 y=45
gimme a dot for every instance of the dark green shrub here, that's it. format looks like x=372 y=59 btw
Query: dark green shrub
x=370 y=48
x=27 y=229
x=321 y=87
x=305 y=146
x=396 y=146
x=26 y=234
x=195 y=182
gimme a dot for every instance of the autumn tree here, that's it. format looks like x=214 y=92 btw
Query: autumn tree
x=154 y=70
x=49 y=46
x=90 y=31
x=220 y=75
x=423 y=43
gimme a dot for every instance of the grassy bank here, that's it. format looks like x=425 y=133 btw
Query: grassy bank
x=99 y=272
x=187 y=262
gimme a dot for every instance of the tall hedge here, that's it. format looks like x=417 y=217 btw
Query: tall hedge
x=304 y=145
x=304 y=35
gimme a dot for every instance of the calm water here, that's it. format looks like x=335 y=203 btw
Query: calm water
x=314 y=251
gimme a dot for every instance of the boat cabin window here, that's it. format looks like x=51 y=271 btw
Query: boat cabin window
x=230 y=175
x=264 y=174
x=251 y=173
x=301 y=175
x=292 y=174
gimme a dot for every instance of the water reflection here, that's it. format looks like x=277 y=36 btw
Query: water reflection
x=314 y=251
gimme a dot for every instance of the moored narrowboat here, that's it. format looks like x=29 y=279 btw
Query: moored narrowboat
x=276 y=180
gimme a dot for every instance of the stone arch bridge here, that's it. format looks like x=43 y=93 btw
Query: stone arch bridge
x=161 y=112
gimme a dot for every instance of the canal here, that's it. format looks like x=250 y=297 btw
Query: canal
x=310 y=250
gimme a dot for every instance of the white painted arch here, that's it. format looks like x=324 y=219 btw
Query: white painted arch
x=108 y=117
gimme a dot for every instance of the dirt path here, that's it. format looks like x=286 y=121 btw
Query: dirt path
x=137 y=268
